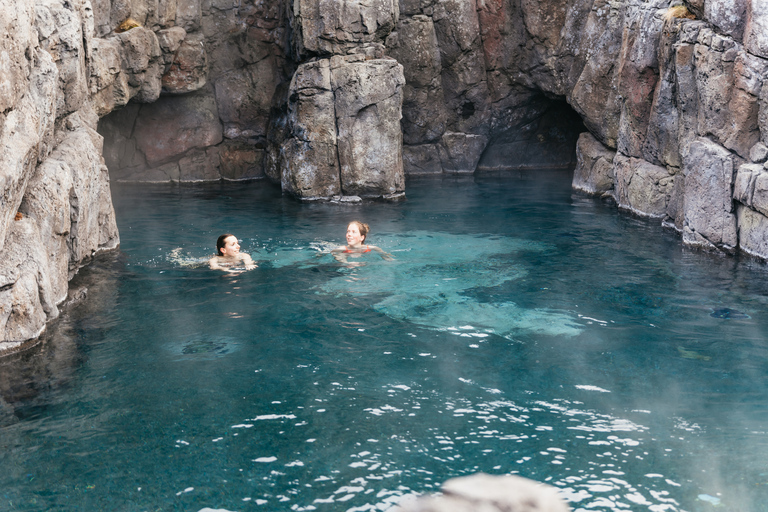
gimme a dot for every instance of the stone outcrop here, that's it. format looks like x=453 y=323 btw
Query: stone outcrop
x=344 y=129
x=56 y=203
x=217 y=66
x=691 y=135
x=487 y=493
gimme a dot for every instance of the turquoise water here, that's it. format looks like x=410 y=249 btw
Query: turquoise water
x=521 y=329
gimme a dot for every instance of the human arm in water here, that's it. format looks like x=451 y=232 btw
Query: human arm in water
x=343 y=253
x=384 y=255
x=243 y=261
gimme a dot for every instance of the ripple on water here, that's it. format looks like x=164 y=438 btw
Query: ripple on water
x=203 y=347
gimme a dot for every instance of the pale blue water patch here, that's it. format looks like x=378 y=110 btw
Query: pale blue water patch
x=427 y=282
x=520 y=329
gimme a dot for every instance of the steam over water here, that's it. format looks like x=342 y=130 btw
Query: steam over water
x=520 y=329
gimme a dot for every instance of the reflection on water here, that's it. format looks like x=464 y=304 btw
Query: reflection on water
x=520 y=329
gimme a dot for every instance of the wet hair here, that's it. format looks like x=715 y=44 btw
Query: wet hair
x=220 y=242
x=362 y=227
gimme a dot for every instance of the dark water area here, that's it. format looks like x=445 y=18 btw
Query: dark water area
x=522 y=328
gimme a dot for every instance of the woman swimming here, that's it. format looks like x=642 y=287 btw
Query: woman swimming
x=356 y=234
x=228 y=256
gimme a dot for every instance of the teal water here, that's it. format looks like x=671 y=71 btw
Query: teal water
x=522 y=328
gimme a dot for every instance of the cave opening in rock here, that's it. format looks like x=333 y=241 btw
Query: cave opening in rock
x=467 y=110
x=542 y=135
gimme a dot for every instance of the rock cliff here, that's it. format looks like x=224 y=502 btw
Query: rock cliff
x=346 y=98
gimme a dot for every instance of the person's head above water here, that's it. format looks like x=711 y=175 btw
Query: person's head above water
x=226 y=245
x=356 y=233
x=228 y=256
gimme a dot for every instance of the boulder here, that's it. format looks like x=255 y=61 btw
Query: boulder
x=240 y=161
x=756 y=30
x=200 y=165
x=66 y=218
x=422 y=159
x=594 y=94
x=753 y=232
x=728 y=83
x=460 y=152
x=308 y=160
x=661 y=145
x=244 y=99
x=594 y=168
x=333 y=27
x=141 y=62
x=744 y=183
x=638 y=76
x=488 y=493
x=61 y=25
x=758 y=153
x=641 y=187
x=70 y=198
x=368 y=99
x=343 y=135
x=464 y=81
x=709 y=218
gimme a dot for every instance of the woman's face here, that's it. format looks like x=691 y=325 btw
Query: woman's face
x=231 y=247
x=354 y=238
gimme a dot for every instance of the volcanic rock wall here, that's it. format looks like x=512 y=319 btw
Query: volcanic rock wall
x=686 y=123
x=347 y=97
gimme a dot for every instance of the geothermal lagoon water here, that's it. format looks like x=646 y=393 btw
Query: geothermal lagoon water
x=521 y=329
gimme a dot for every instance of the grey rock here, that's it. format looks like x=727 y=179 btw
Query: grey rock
x=141 y=63
x=642 y=187
x=333 y=28
x=753 y=232
x=188 y=70
x=594 y=169
x=758 y=153
x=343 y=129
x=415 y=46
x=460 y=152
x=744 y=183
x=710 y=221
x=200 y=165
x=422 y=159
x=487 y=493
x=728 y=93
x=173 y=125
x=729 y=16
x=17 y=24
x=308 y=160
x=26 y=300
x=244 y=99
x=756 y=31
x=240 y=161
x=21 y=148
x=368 y=102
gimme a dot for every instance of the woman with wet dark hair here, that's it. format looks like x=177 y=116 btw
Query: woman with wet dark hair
x=228 y=256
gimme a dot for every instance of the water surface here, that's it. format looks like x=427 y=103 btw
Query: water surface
x=522 y=328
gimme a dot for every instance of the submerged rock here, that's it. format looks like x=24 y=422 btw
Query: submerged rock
x=728 y=314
